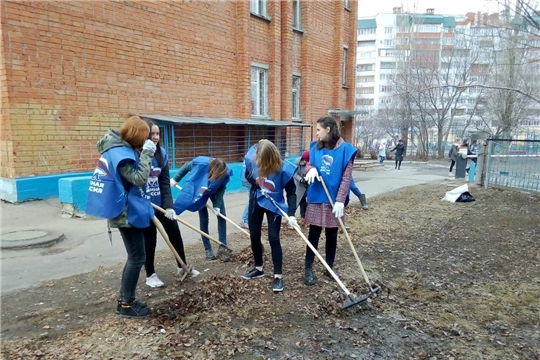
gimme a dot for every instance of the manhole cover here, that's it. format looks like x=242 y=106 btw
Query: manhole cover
x=23 y=235
x=29 y=238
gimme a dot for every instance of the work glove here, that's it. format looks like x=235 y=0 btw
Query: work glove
x=149 y=145
x=216 y=211
x=312 y=175
x=170 y=214
x=292 y=222
x=338 y=209
x=265 y=191
x=173 y=182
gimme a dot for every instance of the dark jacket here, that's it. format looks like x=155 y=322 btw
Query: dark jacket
x=400 y=151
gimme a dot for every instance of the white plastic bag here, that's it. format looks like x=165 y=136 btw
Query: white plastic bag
x=454 y=194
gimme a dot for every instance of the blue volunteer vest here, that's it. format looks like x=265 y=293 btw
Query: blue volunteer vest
x=107 y=196
x=153 y=192
x=274 y=183
x=197 y=190
x=330 y=165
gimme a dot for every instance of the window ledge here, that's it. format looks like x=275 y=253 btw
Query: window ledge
x=298 y=30
x=261 y=117
x=344 y=86
x=263 y=17
x=297 y=120
x=348 y=9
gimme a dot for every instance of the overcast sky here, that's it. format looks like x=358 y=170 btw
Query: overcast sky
x=443 y=7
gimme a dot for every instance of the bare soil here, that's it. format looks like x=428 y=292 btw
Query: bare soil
x=460 y=281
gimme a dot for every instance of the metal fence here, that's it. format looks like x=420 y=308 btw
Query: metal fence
x=513 y=164
x=229 y=142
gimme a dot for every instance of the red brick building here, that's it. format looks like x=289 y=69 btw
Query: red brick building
x=215 y=75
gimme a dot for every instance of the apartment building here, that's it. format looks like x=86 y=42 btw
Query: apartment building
x=464 y=53
x=216 y=77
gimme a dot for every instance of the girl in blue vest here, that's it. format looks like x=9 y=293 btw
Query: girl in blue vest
x=332 y=159
x=207 y=178
x=118 y=192
x=158 y=190
x=268 y=175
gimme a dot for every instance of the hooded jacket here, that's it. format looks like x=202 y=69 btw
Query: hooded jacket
x=131 y=175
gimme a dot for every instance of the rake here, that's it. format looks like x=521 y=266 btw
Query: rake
x=227 y=251
x=161 y=229
x=351 y=298
x=372 y=290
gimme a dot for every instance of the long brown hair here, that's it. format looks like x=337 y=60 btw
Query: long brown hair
x=333 y=134
x=267 y=158
x=217 y=169
x=134 y=131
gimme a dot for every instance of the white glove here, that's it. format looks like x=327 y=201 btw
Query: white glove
x=312 y=175
x=338 y=209
x=265 y=191
x=170 y=214
x=215 y=211
x=292 y=222
x=149 y=145
x=173 y=182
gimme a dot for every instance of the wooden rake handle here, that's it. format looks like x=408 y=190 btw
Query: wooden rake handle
x=185 y=223
x=165 y=236
x=229 y=220
x=345 y=232
x=330 y=271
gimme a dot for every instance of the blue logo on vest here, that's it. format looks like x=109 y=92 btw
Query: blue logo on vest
x=326 y=164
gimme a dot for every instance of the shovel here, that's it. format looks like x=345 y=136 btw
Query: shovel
x=372 y=291
x=351 y=298
x=224 y=251
x=159 y=226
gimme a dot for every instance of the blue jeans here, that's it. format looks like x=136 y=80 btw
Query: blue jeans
x=134 y=242
x=381 y=159
x=246 y=211
x=222 y=225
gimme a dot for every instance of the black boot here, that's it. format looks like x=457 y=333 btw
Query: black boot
x=309 y=278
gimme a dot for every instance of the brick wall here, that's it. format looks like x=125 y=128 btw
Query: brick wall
x=70 y=70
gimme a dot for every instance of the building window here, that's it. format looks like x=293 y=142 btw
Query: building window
x=388 y=42
x=259 y=91
x=360 y=102
x=387 y=30
x=370 y=78
x=346 y=4
x=296 y=97
x=388 y=65
x=366 y=90
x=344 y=67
x=363 y=44
x=366 y=67
x=259 y=7
x=367 y=31
x=296 y=24
x=386 y=88
x=386 y=100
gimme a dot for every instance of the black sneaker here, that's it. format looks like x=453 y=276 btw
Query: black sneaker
x=134 y=310
x=253 y=274
x=330 y=277
x=119 y=305
x=277 y=286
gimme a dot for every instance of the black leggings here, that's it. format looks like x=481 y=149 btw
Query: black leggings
x=452 y=165
x=398 y=163
x=331 y=244
x=255 y=218
x=150 y=237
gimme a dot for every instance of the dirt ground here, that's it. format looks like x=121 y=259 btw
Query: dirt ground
x=460 y=281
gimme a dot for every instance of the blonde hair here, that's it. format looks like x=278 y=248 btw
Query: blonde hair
x=267 y=158
x=217 y=169
x=135 y=131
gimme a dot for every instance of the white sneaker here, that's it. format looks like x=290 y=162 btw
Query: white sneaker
x=154 y=281
x=194 y=273
x=450 y=174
